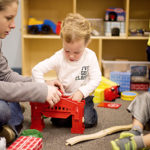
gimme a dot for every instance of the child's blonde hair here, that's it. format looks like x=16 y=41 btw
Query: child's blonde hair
x=75 y=27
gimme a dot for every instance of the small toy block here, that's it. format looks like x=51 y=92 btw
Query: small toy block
x=26 y=143
x=98 y=95
x=111 y=93
x=139 y=86
x=106 y=83
x=109 y=105
x=128 y=95
x=63 y=109
x=122 y=79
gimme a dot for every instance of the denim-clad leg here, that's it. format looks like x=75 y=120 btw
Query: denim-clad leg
x=16 y=114
x=5 y=113
x=10 y=113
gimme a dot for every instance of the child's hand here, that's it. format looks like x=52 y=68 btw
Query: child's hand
x=55 y=83
x=78 y=96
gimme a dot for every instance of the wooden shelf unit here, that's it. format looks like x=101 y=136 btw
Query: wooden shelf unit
x=36 y=48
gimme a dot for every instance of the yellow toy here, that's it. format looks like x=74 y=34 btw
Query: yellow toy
x=37 y=26
x=128 y=95
x=33 y=21
x=99 y=91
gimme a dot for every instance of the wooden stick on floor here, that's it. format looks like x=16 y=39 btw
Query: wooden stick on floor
x=97 y=135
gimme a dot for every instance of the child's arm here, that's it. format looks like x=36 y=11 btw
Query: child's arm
x=92 y=81
x=43 y=67
x=94 y=77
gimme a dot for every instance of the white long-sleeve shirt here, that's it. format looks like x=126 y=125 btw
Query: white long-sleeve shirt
x=83 y=75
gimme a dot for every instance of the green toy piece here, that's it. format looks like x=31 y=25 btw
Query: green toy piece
x=32 y=132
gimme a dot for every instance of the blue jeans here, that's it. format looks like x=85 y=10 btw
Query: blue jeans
x=10 y=114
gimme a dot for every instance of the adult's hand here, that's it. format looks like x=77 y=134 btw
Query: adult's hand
x=56 y=83
x=53 y=96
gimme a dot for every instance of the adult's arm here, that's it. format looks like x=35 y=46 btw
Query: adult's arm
x=14 y=87
x=23 y=91
x=7 y=74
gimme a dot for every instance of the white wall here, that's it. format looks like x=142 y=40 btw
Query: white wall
x=11 y=46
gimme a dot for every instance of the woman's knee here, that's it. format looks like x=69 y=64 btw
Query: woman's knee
x=5 y=112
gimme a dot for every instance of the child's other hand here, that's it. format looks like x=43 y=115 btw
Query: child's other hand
x=77 y=96
x=56 y=83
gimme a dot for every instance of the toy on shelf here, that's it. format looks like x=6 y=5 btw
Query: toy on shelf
x=26 y=143
x=58 y=27
x=115 y=22
x=115 y=14
x=96 y=25
x=63 y=109
x=137 y=27
x=42 y=27
x=136 y=32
